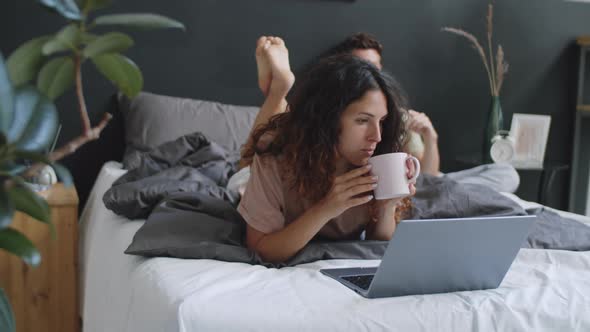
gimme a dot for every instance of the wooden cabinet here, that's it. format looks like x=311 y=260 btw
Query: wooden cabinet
x=45 y=298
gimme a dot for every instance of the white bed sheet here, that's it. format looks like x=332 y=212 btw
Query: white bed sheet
x=544 y=290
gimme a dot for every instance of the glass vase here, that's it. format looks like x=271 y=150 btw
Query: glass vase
x=494 y=123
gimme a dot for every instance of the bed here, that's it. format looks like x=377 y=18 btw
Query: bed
x=544 y=290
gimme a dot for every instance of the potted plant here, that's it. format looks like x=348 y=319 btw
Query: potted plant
x=496 y=73
x=28 y=121
x=31 y=78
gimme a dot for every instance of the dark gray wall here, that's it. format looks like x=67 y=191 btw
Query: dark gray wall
x=443 y=76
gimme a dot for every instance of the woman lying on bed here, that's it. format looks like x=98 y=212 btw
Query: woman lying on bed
x=309 y=173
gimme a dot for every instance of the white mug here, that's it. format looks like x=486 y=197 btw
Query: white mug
x=391 y=169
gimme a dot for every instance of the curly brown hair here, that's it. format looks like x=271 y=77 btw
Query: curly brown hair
x=306 y=136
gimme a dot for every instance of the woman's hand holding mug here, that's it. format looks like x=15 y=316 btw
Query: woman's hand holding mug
x=348 y=190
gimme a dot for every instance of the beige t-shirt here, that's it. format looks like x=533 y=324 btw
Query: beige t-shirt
x=269 y=204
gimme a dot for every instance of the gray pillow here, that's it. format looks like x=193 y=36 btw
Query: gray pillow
x=197 y=226
x=152 y=119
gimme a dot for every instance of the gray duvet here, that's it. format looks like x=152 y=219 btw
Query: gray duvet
x=190 y=163
x=180 y=188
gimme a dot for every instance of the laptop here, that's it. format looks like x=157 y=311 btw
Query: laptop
x=440 y=256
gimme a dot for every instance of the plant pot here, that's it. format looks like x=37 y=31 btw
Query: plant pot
x=494 y=123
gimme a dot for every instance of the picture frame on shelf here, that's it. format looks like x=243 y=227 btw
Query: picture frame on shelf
x=530 y=132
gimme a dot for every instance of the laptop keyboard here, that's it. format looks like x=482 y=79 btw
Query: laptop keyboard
x=362 y=282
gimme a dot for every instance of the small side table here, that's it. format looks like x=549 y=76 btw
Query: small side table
x=45 y=298
x=547 y=174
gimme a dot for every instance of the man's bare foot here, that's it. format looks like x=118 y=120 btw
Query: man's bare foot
x=264 y=72
x=274 y=55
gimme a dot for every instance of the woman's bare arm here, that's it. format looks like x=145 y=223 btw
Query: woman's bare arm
x=284 y=244
x=383 y=229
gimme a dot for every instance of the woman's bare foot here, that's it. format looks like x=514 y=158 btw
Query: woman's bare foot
x=272 y=58
x=264 y=72
x=282 y=76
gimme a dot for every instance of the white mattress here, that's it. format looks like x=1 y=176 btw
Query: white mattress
x=544 y=290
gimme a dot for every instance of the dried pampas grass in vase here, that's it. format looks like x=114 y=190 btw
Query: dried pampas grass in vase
x=495 y=72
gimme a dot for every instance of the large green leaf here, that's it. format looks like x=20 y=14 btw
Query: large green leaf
x=67 y=8
x=87 y=38
x=113 y=42
x=24 y=63
x=17 y=244
x=24 y=108
x=121 y=71
x=63 y=174
x=35 y=122
x=6 y=98
x=140 y=20
x=6 y=209
x=27 y=201
x=6 y=314
x=56 y=77
x=68 y=38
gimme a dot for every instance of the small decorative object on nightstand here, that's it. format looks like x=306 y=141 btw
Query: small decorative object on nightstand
x=530 y=132
x=502 y=150
x=45 y=298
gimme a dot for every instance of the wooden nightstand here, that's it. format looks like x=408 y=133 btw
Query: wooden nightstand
x=45 y=298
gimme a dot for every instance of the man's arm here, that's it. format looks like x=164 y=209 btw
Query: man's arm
x=430 y=162
x=430 y=159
